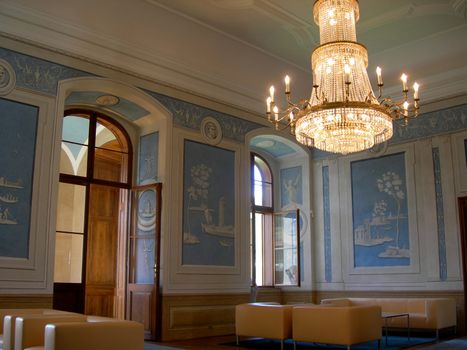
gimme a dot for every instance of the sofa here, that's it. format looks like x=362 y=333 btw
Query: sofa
x=264 y=320
x=339 y=325
x=7 y=323
x=424 y=313
x=29 y=329
x=76 y=331
x=102 y=335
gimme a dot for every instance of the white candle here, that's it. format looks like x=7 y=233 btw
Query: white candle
x=276 y=113
x=268 y=105
x=287 y=84
x=291 y=116
x=271 y=93
x=406 y=108
x=378 y=74
x=404 y=82
x=415 y=91
x=347 y=73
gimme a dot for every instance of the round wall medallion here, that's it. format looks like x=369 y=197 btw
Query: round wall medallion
x=107 y=100
x=211 y=130
x=7 y=77
x=378 y=150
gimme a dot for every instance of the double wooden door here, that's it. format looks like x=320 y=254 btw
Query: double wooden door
x=118 y=272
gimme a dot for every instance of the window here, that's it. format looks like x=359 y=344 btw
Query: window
x=261 y=217
x=274 y=235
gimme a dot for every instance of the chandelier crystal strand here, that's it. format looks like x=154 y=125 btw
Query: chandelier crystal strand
x=342 y=115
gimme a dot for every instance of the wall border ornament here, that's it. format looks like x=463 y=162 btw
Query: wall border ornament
x=7 y=78
x=211 y=130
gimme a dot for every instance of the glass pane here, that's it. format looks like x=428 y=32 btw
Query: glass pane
x=285 y=248
x=263 y=194
x=145 y=230
x=68 y=258
x=76 y=129
x=74 y=159
x=110 y=137
x=262 y=184
x=70 y=207
x=106 y=138
x=111 y=166
x=259 y=228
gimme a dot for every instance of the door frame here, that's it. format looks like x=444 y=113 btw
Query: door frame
x=94 y=117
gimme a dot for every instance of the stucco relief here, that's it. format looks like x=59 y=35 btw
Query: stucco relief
x=7 y=78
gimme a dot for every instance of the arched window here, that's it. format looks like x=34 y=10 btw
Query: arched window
x=261 y=220
x=274 y=235
x=92 y=213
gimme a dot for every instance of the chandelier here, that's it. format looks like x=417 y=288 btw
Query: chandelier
x=343 y=115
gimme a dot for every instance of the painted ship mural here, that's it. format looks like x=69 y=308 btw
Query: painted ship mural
x=198 y=192
x=10 y=184
x=382 y=228
x=6 y=217
x=219 y=229
x=8 y=198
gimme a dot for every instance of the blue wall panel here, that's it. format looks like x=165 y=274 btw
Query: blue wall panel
x=208 y=205
x=18 y=124
x=380 y=212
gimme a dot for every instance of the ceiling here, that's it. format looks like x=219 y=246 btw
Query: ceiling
x=233 y=50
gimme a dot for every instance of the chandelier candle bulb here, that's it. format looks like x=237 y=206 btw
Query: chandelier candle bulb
x=271 y=93
x=287 y=84
x=268 y=105
x=406 y=108
x=379 y=76
x=276 y=113
x=415 y=91
x=404 y=82
x=347 y=73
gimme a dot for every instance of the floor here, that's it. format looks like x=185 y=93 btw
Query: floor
x=213 y=344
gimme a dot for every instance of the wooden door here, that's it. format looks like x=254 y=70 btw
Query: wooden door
x=101 y=261
x=143 y=297
x=463 y=230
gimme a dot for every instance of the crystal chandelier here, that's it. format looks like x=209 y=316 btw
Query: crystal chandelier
x=343 y=115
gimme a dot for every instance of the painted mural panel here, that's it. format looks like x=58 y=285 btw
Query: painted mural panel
x=208 y=205
x=148 y=158
x=291 y=187
x=145 y=236
x=380 y=212
x=17 y=143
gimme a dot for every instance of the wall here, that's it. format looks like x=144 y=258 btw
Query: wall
x=199 y=298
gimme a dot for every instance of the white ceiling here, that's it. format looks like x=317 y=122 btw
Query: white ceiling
x=232 y=50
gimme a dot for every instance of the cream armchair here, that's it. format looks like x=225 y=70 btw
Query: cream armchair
x=105 y=335
x=29 y=329
x=264 y=320
x=7 y=323
x=341 y=325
